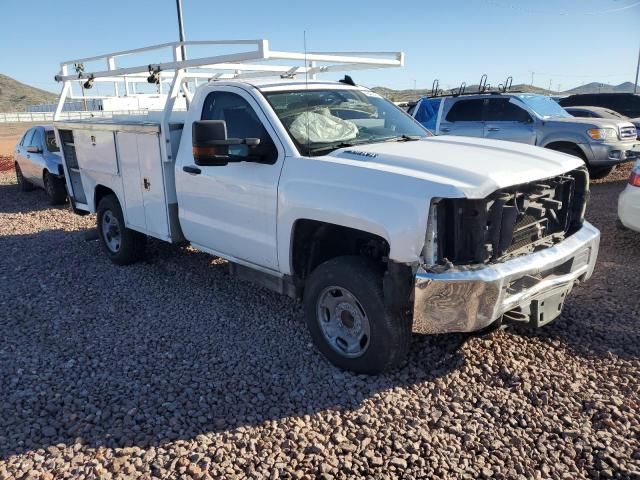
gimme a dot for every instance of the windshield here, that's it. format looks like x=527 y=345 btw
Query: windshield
x=544 y=107
x=320 y=121
x=50 y=138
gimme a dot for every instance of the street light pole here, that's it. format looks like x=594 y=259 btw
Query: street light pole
x=181 y=28
x=635 y=85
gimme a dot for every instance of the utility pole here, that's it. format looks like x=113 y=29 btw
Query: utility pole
x=532 y=74
x=635 y=86
x=550 y=80
x=181 y=28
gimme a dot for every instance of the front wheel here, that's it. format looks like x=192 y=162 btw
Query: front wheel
x=348 y=320
x=55 y=188
x=122 y=245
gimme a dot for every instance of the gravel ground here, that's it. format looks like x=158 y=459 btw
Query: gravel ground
x=172 y=368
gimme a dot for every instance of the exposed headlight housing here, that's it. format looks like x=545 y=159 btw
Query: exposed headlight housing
x=602 y=133
x=430 y=250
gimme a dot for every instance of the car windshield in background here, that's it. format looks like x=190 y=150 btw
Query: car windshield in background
x=50 y=138
x=320 y=121
x=544 y=107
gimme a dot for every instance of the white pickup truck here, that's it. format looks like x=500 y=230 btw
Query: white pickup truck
x=327 y=192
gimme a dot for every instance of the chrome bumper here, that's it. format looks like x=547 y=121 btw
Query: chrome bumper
x=467 y=300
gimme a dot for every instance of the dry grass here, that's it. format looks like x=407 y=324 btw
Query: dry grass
x=10 y=134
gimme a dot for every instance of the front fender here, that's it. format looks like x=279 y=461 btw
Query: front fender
x=53 y=163
x=394 y=207
x=580 y=141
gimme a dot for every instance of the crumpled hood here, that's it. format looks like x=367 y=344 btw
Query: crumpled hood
x=470 y=167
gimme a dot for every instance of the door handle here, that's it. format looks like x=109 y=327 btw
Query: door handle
x=493 y=129
x=445 y=129
x=192 y=170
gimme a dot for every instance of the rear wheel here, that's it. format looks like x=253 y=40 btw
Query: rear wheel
x=55 y=188
x=348 y=319
x=122 y=245
x=23 y=183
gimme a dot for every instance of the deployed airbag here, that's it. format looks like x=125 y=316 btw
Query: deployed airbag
x=320 y=126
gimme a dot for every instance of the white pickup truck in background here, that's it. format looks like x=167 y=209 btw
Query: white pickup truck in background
x=327 y=192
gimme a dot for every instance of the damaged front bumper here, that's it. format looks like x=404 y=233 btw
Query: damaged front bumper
x=530 y=288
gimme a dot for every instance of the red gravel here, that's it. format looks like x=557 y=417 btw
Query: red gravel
x=6 y=163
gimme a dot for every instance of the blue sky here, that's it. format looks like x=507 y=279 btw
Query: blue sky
x=567 y=42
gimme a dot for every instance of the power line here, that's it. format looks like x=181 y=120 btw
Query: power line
x=554 y=13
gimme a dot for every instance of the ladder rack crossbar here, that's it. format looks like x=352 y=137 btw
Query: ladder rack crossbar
x=331 y=61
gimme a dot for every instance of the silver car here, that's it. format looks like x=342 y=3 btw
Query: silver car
x=533 y=119
x=38 y=164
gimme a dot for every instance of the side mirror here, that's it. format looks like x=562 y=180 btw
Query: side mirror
x=31 y=149
x=211 y=145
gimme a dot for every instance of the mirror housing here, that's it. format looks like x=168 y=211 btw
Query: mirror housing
x=211 y=145
x=31 y=149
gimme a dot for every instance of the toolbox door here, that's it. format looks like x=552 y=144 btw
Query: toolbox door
x=141 y=165
x=153 y=192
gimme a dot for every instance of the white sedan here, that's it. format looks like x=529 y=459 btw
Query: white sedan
x=629 y=201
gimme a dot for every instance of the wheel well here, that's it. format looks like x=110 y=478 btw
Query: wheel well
x=100 y=192
x=316 y=242
x=566 y=146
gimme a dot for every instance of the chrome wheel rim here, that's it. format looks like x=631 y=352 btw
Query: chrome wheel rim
x=343 y=322
x=111 y=232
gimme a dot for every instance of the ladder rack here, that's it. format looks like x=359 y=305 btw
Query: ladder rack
x=254 y=61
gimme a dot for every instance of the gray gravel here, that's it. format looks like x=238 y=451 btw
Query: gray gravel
x=172 y=368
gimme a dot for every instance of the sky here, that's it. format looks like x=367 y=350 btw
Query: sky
x=564 y=43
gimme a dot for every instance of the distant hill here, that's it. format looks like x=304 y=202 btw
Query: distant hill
x=16 y=96
x=594 y=87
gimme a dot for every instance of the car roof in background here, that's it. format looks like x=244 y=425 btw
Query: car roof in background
x=601 y=110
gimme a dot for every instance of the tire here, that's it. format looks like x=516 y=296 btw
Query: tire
x=122 y=245
x=23 y=183
x=595 y=173
x=353 y=287
x=600 y=172
x=55 y=188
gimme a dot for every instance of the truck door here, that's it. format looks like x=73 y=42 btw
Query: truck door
x=231 y=210
x=505 y=120
x=463 y=118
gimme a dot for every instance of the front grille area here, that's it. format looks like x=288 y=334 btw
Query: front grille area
x=628 y=133
x=512 y=221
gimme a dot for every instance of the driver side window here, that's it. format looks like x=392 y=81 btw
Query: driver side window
x=36 y=141
x=242 y=122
